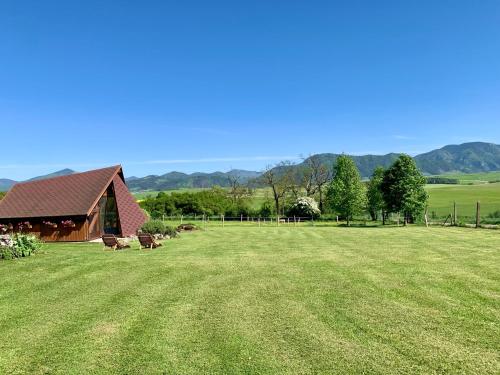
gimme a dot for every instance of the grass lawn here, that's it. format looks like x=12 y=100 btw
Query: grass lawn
x=259 y=300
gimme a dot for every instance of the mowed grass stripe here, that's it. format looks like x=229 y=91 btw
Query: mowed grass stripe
x=259 y=300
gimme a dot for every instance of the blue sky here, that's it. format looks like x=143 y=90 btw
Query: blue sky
x=210 y=85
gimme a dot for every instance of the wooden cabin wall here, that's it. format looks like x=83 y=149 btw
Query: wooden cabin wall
x=59 y=234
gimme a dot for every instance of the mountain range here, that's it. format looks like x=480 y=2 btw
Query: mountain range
x=473 y=157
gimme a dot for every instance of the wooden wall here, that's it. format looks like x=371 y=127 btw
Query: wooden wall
x=59 y=234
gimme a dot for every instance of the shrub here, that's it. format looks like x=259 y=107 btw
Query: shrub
x=266 y=210
x=494 y=215
x=6 y=253
x=170 y=231
x=155 y=227
x=26 y=244
x=305 y=207
x=21 y=245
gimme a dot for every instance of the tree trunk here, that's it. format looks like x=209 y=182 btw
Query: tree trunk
x=321 y=199
x=383 y=217
x=276 y=201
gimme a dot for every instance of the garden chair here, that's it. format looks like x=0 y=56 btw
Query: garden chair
x=147 y=241
x=111 y=241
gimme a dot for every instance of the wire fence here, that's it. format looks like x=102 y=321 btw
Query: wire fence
x=467 y=215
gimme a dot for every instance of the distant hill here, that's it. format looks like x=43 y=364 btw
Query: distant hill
x=178 y=180
x=366 y=164
x=6 y=184
x=466 y=158
x=63 y=172
x=474 y=157
x=471 y=157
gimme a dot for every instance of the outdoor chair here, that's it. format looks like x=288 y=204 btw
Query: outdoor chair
x=111 y=241
x=147 y=241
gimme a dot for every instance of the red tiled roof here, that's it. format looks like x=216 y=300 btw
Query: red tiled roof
x=131 y=215
x=71 y=195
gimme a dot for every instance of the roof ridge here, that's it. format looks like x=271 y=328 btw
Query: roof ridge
x=77 y=194
x=65 y=176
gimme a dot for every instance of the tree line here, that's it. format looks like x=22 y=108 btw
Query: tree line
x=309 y=191
x=398 y=189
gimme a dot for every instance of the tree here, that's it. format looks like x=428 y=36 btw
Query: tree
x=403 y=188
x=346 y=193
x=375 y=198
x=237 y=191
x=2 y=194
x=280 y=179
x=315 y=176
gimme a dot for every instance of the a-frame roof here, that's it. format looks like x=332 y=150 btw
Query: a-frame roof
x=71 y=195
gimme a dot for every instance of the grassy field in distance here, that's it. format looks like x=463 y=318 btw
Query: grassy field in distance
x=288 y=300
x=441 y=198
x=474 y=178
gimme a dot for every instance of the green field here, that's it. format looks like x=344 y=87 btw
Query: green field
x=441 y=198
x=474 y=178
x=259 y=301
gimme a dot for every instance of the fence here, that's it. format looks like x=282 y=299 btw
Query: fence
x=222 y=220
x=469 y=214
x=477 y=215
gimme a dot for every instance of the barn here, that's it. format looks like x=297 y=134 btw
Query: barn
x=77 y=207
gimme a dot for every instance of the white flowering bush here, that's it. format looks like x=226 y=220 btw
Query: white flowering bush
x=305 y=207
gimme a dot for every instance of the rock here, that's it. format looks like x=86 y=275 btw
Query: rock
x=186 y=228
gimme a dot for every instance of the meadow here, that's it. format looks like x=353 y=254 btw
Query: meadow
x=474 y=178
x=248 y=300
x=441 y=198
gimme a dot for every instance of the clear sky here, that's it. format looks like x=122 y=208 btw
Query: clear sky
x=209 y=85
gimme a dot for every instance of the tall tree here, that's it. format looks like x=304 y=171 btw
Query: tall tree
x=403 y=188
x=280 y=179
x=237 y=191
x=320 y=177
x=346 y=193
x=375 y=198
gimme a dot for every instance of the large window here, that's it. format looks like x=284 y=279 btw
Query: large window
x=109 y=213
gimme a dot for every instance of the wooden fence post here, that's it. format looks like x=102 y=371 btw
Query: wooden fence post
x=454 y=213
x=478 y=214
